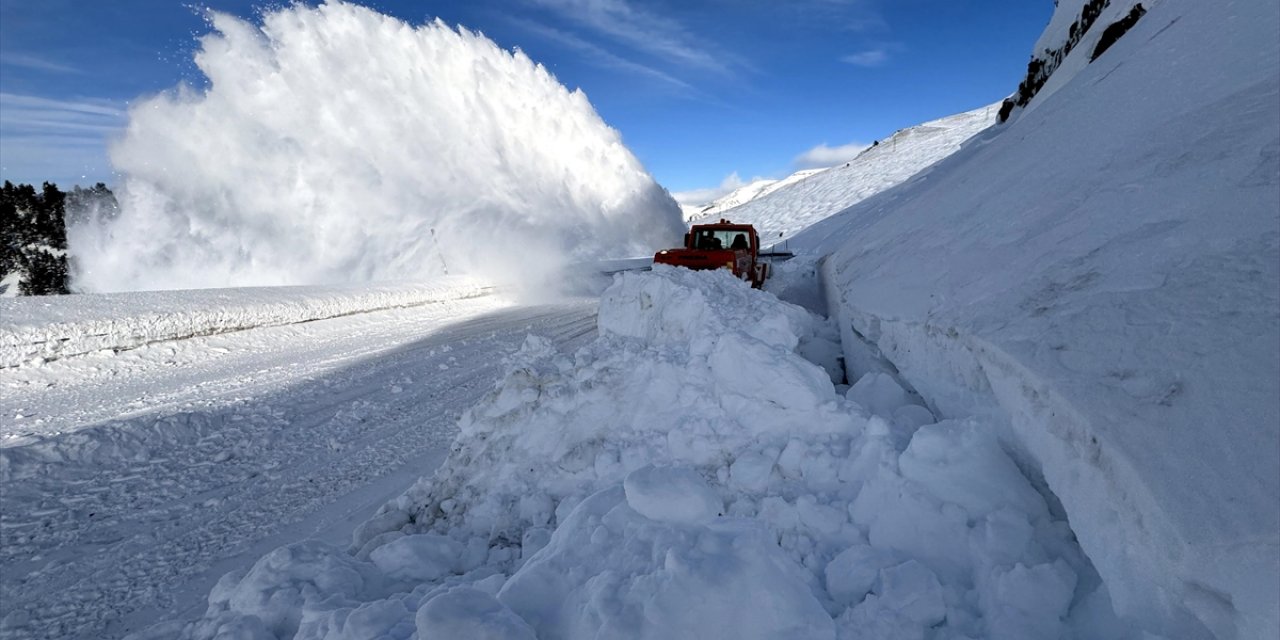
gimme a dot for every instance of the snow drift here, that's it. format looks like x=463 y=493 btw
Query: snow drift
x=335 y=144
x=736 y=494
x=1100 y=278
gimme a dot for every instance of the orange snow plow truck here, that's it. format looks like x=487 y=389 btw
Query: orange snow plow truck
x=722 y=245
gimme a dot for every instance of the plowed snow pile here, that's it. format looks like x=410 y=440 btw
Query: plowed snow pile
x=690 y=474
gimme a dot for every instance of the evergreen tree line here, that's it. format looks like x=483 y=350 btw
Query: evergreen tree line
x=33 y=233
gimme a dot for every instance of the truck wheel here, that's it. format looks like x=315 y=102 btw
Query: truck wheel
x=758 y=276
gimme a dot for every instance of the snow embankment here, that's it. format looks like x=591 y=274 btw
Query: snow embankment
x=1101 y=277
x=792 y=205
x=48 y=328
x=690 y=474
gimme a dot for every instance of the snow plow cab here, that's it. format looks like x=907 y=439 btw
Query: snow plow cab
x=722 y=245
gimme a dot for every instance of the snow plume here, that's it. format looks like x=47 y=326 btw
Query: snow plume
x=335 y=144
x=690 y=473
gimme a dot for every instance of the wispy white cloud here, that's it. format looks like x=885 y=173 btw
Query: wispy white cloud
x=600 y=57
x=874 y=56
x=705 y=195
x=825 y=156
x=644 y=31
x=863 y=17
x=27 y=61
x=868 y=58
x=86 y=107
x=58 y=140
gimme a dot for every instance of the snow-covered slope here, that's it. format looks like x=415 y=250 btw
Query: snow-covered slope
x=744 y=194
x=335 y=144
x=1101 y=276
x=787 y=208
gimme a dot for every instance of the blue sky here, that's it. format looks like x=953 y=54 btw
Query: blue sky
x=699 y=89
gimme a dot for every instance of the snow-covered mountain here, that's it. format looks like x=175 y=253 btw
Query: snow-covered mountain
x=783 y=209
x=811 y=194
x=744 y=194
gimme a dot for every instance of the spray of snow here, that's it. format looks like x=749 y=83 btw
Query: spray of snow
x=335 y=144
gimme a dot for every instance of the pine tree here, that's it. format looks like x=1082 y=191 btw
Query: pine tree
x=47 y=255
x=33 y=238
x=10 y=225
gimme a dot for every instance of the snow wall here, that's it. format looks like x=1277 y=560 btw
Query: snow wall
x=1101 y=277
x=335 y=144
x=41 y=328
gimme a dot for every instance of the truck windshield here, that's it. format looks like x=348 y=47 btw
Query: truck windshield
x=721 y=239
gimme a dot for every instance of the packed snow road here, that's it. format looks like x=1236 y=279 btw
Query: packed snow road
x=132 y=481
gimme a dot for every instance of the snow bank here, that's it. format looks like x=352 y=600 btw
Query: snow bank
x=689 y=474
x=1100 y=279
x=50 y=327
x=335 y=144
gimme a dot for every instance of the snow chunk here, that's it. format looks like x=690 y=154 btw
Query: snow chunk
x=1028 y=602
x=852 y=573
x=751 y=471
x=674 y=495
x=281 y=588
x=691 y=309
x=471 y=614
x=377 y=619
x=611 y=572
x=963 y=464
x=421 y=557
x=913 y=591
x=781 y=385
x=878 y=393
